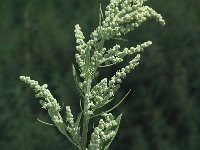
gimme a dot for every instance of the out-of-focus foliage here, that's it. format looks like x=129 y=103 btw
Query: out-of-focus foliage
x=37 y=39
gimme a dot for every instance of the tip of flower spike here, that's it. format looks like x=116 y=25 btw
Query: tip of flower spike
x=163 y=23
x=149 y=43
x=23 y=78
x=137 y=57
x=76 y=25
x=161 y=20
x=67 y=108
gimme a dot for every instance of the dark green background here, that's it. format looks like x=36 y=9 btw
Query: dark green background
x=37 y=40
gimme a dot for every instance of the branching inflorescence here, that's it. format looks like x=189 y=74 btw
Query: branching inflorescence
x=120 y=17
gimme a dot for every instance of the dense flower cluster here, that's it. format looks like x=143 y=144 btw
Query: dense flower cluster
x=102 y=93
x=103 y=132
x=120 y=17
x=72 y=128
x=50 y=103
x=81 y=46
x=123 y=16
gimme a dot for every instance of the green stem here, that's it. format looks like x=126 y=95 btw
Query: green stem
x=85 y=115
x=84 y=134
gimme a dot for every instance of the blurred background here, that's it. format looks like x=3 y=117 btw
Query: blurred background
x=37 y=40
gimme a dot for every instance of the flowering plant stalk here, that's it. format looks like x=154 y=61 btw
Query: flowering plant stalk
x=120 y=17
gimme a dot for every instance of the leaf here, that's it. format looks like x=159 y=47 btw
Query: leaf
x=78 y=119
x=120 y=39
x=109 y=110
x=100 y=17
x=62 y=128
x=77 y=81
x=46 y=123
x=87 y=61
x=100 y=45
x=77 y=124
x=118 y=102
x=100 y=12
x=106 y=144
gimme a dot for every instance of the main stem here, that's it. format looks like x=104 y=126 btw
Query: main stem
x=84 y=134
x=85 y=115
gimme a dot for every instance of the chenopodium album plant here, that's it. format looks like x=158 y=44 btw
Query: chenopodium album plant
x=120 y=17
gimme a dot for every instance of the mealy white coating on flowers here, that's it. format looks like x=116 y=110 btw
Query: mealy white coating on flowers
x=71 y=127
x=103 y=132
x=100 y=94
x=117 y=78
x=103 y=92
x=50 y=103
x=120 y=17
x=81 y=45
x=114 y=55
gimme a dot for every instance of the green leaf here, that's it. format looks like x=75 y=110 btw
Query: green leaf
x=77 y=81
x=77 y=125
x=62 y=128
x=100 y=17
x=78 y=119
x=87 y=60
x=100 y=45
x=100 y=12
x=120 y=39
x=107 y=143
x=118 y=102
x=46 y=123
x=109 y=110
